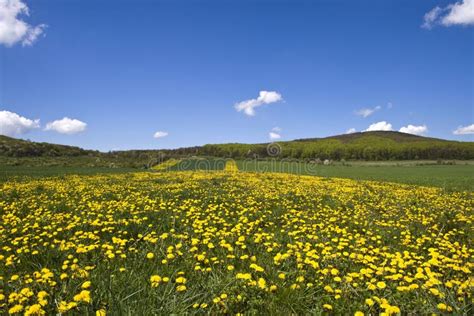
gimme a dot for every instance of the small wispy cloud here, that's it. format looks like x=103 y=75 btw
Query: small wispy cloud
x=275 y=133
x=459 y=13
x=12 y=124
x=67 y=126
x=264 y=97
x=13 y=28
x=366 y=112
x=160 y=134
x=430 y=17
x=413 y=129
x=464 y=130
x=351 y=131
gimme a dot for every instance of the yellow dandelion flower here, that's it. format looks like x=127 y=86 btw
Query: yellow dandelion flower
x=327 y=307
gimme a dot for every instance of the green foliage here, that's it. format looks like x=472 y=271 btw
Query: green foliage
x=376 y=146
x=12 y=147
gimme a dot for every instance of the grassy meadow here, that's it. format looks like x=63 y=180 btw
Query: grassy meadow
x=217 y=236
x=11 y=173
x=453 y=175
x=228 y=242
x=449 y=177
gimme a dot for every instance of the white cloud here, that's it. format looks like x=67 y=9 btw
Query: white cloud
x=367 y=111
x=416 y=130
x=275 y=133
x=430 y=17
x=12 y=28
x=160 y=134
x=464 y=130
x=12 y=124
x=66 y=126
x=351 y=131
x=265 y=97
x=379 y=126
x=459 y=13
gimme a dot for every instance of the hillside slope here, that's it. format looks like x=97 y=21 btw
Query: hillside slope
x=12 y=147
x=390 y=135
x=378 y=145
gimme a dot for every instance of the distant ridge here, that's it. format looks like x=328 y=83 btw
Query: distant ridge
x=375 y=145
x=393 y=135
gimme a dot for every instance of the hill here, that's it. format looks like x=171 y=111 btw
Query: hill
x=12 y=147
x=379 y=145
x=19 y=152
x=392 y=135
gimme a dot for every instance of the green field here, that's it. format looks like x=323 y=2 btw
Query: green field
x=135 y=238
x=455 y=177
x=199 y=164
x=449 y=177
x=8 y=173
x=233 y=243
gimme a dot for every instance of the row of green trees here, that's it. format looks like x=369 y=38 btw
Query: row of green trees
x=392 y=146
x=431 y=150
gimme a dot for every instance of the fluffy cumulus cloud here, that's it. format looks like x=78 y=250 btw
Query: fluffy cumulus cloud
x=379 y=126
x=12 y=124
x=264 y=97
x=412 y=129
x=366 y=112
x=160 y=134
x=464 y=130
x=13 y=29
x=351 y=131
x=66 y=126
x=459 y=13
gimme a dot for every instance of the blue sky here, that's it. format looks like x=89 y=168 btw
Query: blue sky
x=128 y=69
